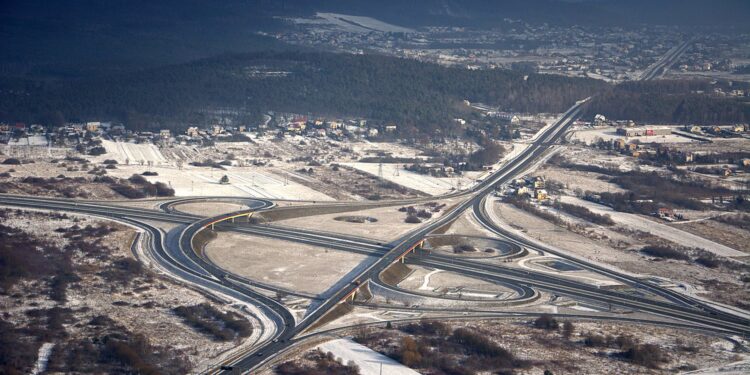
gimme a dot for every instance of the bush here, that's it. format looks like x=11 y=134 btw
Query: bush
x=664 y=252
x=412 y=219
x=98 y=150
x=138 y=179
x=594 y=340
x=127 y=191
x=110 y=162
x=647 y=355
x=708 y=260
x=207 y=319
x=545 y=321
x=149 y=173
x=568 y=329
x=11 y=161
x=424 y=214
x=163 y=190
x=476 y=344
x=586 y=214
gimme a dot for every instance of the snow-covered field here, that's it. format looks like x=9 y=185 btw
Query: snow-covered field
x=368 y=360
x=132 y=152
x=361 y=24
x=243 y=182
x=664 y=231
x=33 y=140
x=589 y=136
x=395 y=173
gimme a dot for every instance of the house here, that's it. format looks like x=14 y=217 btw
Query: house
x=93 y=126
x=541 y=194
x=524 y=190
x=390 y=128
x=619 y=144
x=539 y=183
x=372 y=132
x=745 y=162
x=296 y=127
x=192 y=132
x=665 y=213
x=165 y=133
x=695 y=129
x=641 y=131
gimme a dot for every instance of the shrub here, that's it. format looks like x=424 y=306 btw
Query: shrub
x=110 y=162
x=138 y=179
x=708 y=260
x=545 y=321
x=424 y=214
x=568 y=329
x=98 y=150
x=149 y=173
x=12 y=161
x=647 y=355
x=163 y=190
x=586 y=214
x=412 y=219
x=207 y=319
x=127 y=191
x=478 y=345
x=594 y=340
x=664 y=252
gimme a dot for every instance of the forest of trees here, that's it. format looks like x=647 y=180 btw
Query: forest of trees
x=420 y=97
x=670 y=101
x=411 y=93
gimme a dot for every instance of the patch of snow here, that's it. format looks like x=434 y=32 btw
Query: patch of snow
x=395 y=173
x=426 y=282
x=368 y=360
x=664 y=231
x=42 y=358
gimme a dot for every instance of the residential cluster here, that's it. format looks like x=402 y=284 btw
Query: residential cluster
x=609 y=53
x=224 y=130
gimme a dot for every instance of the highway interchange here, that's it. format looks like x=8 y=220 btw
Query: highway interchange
x=175 y=254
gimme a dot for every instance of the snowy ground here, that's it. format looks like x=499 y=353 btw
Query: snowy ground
x=664 y=231
x=588 y=136
x=290 y=265
x=132 y=152
x=369 y=361
x=243 y=182
x=395 y=173
x=361 y=24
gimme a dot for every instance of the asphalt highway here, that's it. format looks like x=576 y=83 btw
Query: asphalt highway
x=175 y=253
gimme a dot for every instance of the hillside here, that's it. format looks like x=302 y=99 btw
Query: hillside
x=377 y=87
